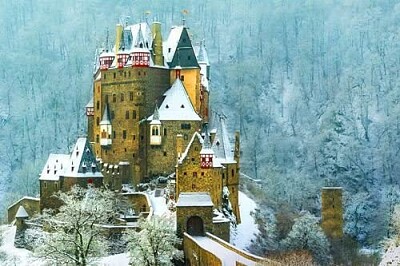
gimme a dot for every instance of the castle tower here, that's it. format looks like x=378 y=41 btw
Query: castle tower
x=182 y=61
x=204 y=64
x=332 y=212
x=127 y=84
x=158 y=56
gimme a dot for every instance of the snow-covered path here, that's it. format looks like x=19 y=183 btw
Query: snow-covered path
x=226 y=256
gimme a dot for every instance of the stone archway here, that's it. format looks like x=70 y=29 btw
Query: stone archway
x=195 y=226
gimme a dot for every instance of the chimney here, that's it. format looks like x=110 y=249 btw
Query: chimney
x=157 y=43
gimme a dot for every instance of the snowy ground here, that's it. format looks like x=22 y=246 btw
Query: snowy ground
x=245 y=231
x=391 y=257
x=241 y=237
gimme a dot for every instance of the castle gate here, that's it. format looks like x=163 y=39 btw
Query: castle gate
x=195 y=226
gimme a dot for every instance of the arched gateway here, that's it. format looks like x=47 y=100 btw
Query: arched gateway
x=195 y=226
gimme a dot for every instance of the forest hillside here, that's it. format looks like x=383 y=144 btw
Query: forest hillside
x=313 y=87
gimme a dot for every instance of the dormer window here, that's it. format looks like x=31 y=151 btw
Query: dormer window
x=182 y=106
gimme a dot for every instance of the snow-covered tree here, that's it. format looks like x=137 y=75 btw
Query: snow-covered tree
x=266 y=239
x=75 y=236
x=155 y=244
x=306 y=234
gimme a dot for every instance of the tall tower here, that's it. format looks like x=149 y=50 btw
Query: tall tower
x=332 y=212
x=182 y=61
x=126 y=85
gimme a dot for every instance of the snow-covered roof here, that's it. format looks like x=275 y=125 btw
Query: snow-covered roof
x=21 y=213
x=194 y=199
x=54 y=167
x=184 y=154
x=201 y=53
x=105 y=120
x=223 y=152
x=140 y=32
x=80 y=163
x=90 y=103
x=171 y=43
x=177 y=105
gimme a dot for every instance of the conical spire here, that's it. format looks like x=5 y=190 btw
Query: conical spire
x=202 y=57
x=156 y=115
x=106 y=116
x=206 y=142
x=140 y=38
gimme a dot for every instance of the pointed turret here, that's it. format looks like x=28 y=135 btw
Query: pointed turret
x=206 y=153
x=105 y=128
x=155 y=128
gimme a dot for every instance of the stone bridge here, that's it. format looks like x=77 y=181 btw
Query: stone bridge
x=211 y=250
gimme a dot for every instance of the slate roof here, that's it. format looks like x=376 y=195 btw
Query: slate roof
x=105 y=120
x=80 y=163
x=176 y=105
x=178 y=49
x=194 y=199
x=223 y=152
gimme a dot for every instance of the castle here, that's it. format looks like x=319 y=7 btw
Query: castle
x=149 y=117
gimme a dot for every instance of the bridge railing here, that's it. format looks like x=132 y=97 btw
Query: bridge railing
x=196 y=255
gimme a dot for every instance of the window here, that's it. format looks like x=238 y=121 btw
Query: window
x=124 y=134
x=131 y=95
x=114 y=134
x=97 y=120
x=134 y=114
x=127 y=115
x=183 y=78
x=124 y=74
x=105 y=76
x=133 y=155
x=45 y=184
x=97 y=138
x=233 y=172
x=154 y=131
x=185 y=126
x=165 y=131
x=129 y=74
x=134 y=137
x=202 y=173
x=115 y=75
x=184 y=173
x=122 y=97
x=98 y=105
x=194 y=174
x=106 y=98
x=114 y=98
x=112 y=114
x=165 y=153
x=188 y=57
x=56 y=186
